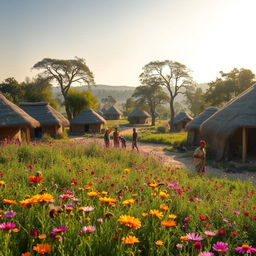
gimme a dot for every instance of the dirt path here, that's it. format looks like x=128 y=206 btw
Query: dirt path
x=181 y=160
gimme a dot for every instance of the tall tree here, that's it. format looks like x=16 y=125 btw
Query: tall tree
x=79 y=100
x=174 y=76
x=108 y=102
x=152 y=94
x=65 y=73
x=228 y=86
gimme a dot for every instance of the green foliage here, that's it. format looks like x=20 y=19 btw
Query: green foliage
x=108 y=102
x=79 y=100
x=46 y=138
x=161 y=129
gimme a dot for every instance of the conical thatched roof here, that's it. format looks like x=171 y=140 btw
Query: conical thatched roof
x=88 y=116
x=139 y=113
x=197 y=121
x=44 y=113
x=239 y=112
x=182 y=116
x=113 y=111
x=13 y=116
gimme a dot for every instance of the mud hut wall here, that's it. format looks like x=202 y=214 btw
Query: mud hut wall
x=51 y=130
x=138 y=120
x=10 y=133
x=80 y=128
x=112 y=117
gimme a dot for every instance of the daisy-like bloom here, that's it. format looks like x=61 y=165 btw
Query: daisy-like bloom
x=26 y=254
x=42 y=236
x=156 y=214
x=144 y=214
x=86 y=209
x=209 y=233
x=42 y=248
x=16 y=230
x=40 y=198
x=7 y=225
x=8 y=201
x=108 y=200
x=128 y=202
x=172 y=216
x=205 y=254
x=87 y=229
x=66 y=196
x=129 y=221
x=245 y=248
x=220 y=247
x=127 y=170
x=93 y=194
x=168 y=223
x=10 y=214
x=163 y=194
x=235 y=211
x=159 y=242
x=35 y=179
x=59 y=230
x=184 y=238
x=152 y=185
x=164 y=207
x=2 y=182
x=130 y=240
x=104 y=192
x=194 y=237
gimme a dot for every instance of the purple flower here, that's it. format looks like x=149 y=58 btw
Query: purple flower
x=209 y=233
x=235 y=211
x=220 y=247
x=7 y=225
x=87 y=229
x=59 y=230
x=245 y=248
x=10 y=214
x=194 y=237
x=205 y=254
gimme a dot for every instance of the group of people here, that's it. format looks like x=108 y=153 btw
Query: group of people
x=117 y=139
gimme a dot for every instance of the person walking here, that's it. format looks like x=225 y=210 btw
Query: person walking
x=200 y=158
x=107 y=138
x=134 y=140
x=116 y=138
x=123 y=141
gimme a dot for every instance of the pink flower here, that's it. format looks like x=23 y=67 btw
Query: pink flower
x=205 y=254
x=220 y=247
x=209 y=233
x=7 y=225
x=194 y=237
x=245 y=248
x=87 y=229
x=235 y=211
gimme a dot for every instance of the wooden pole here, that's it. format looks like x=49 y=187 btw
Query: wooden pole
x=27 y=135
x=244 y=144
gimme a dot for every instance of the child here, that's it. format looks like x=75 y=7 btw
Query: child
x=123 y=141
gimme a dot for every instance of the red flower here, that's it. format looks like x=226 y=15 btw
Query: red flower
x=221 y=232
x=202 y=218
x=254 y=217
x=35 y=179
x=246 y=214
x=234 y=234
x=198 y=245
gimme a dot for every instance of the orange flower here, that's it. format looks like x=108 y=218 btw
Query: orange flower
x=163 y=194
x=2 y=182
x=108 y=200
x=128 y=202
x=159 y=242
x=36 y=179
x=172 y=216
x=15 y=230
x=164 y=207
x=184 y=238
x=104 y=192
x=87 y=187
x=7 y=201
x=26 y=254
x=37 y=199
x=144 y=214
x=43 y=236
x=93 y=194
x=42 y=248
x=130 y=240
x=129 y=221
x=127 y=170
x=152 y=185
x=168 y=223
x=156 y=213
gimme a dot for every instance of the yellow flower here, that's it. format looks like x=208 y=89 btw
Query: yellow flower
x=127 y=170
x=87 y=218
x=129 y=221
x=156 y=213
x=43 y=236
x=104 y=192
x=2 y=182
x=16 y=230
x=163 y=194
x=37 y=199
x=128 y=202
x=130 y=240
x=42 y=248
x=172 y=216
x=134 y=195
x=144 y=214
x=107 y=200
x=93 y=194
x=184 y=238
x=168 y=223
x=164 y=207
x=152 y=185
x=7 y=201
x=159 y=242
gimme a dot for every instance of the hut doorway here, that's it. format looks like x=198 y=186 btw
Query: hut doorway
x=86 y=128
x=251 y=142
x=38 y=132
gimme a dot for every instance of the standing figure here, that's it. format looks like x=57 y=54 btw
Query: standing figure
x=200 y=157
x=116 y=138
x=134 y=140
x=123 y=141
x=107 y=138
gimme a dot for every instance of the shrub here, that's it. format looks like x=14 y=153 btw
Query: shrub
x=47 y=138
x=161 y=129
x=63 y=135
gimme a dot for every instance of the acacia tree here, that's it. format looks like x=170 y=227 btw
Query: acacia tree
x=152 y=94
x=65 y=73
x=174 y=76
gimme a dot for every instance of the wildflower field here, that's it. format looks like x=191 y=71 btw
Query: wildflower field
x=70 y=199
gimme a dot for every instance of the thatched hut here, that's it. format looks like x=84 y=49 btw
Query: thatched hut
x=13 y=119
x=138 y=116
x=180 y=121
x=193 y=126
x=87 y=121
x=231 y=131
x=113 y=113
x=51 y=121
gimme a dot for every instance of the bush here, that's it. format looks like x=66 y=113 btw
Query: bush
x=161 y=129
x=63 y=135
x=47 y=138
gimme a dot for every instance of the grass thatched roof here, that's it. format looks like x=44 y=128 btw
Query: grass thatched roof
x=182 y=116
x=44 y=113
x=88 y=116
x=113 y=111
x=197 y=121
x=13 y=116
x=139 y=113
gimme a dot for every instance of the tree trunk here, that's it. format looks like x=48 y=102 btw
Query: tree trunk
x=153 y=120
x=67 y=108
x=172 y=115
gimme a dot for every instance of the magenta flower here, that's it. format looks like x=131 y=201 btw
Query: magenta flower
x=59 y=230
x=235 y=211
x=7 y=225
x=220 y=247
x=34 y=232
x=205 y=254
x=245 y=248
x=10 y=214
x=209 y=233
x=87 y=229
x=194 y=237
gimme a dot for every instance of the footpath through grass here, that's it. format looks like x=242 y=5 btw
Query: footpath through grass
x=72 y=200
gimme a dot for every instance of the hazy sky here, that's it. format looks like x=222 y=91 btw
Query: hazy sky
x=118 y=37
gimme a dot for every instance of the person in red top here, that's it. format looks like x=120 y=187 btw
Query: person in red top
x=199 y=158
x=116 y=138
